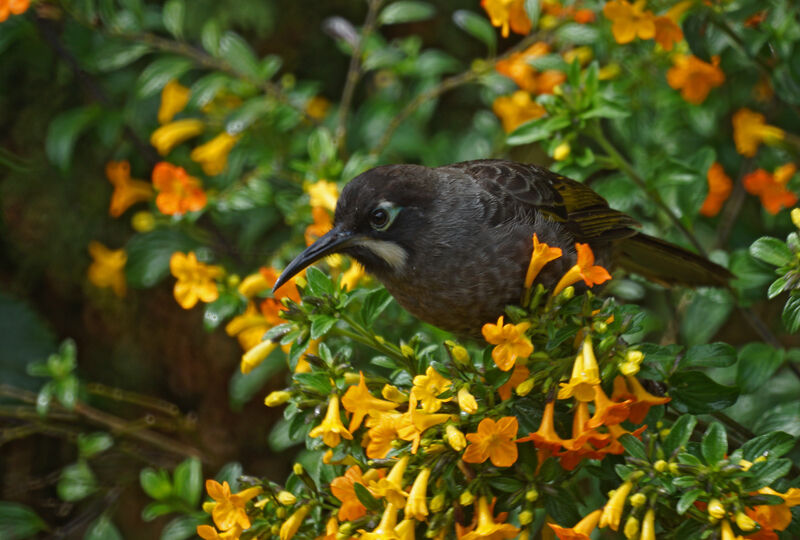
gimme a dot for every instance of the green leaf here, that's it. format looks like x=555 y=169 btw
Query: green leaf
x=766 y=472
x=707 y=312
x=694 y=392
x=235 y=50
x=180 y=528
x=548 y=61
x=102 y=529
x=607 y=109
x=66 y=391
x=319 y=382
x=159 y=73
x=533 y=9
x=173 y=16
x=149 y=255
x=117 y=54
x=321 y=148
x=230 y=472
x=687 y=500
x=156 y=509
x=771 y=250
x=374 y=304
x=536 y=130
x=781 y=417
x=242 y=388
x=17 y=521
x=220 y=310
x=577 y=34
x=506 y=484
x=321 y=325
x=777 y=287
x=63 y=133
x=188 y=481
x=406 y=11
x=679 y=434
x=44 y=398
x=476 y=26
x=714 y=444
x=319 y=284
x=279 y=438
x=247 y=114
x=560 y=505
x=709 y=355
x=791 y=314
x=769 y=445
x=206 y=88
x=90 y=444
x=155 y=483
x=76 y=482
x=210 y=36
x=757 y=362
x=633 y=446
x=366 y=498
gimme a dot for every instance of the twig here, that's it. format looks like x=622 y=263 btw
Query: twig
x=354 y=74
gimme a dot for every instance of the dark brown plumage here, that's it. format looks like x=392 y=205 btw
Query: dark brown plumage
x=452 y=244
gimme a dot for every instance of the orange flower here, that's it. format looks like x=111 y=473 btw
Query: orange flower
x=207 y=532
x=383 y=431
x=584 y=16
x=17 y=7
x=519 y=374
x=359 y=401
x=546 y=436
x=178 y=192
x=517 y=68
x=487 y=529
x=584 y=269
x=693 y=77
x=606 y=411
x=510 y=340
x=229 y=509
x=195 y=279
x=581 y=531
x=771 y=188
x=272 y=307
x=775 y=517
x=411 y=425
x=343 y=488
x=107 y=268
x=322 y=224
x=516 y=109
x=542 y=254
x=585 y=375
x=127 y=192
x=750 y=129
x=629 y=20
x=668 y=33
x=508 y=13
x=719 y=189
x=331 y=429
x=548 y=80
x=583 y=442
x=642 y=399
x=494 y=441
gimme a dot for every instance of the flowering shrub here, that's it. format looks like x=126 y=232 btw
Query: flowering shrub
x=600 y=408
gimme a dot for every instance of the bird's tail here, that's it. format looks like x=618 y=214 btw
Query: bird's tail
x=668 y=264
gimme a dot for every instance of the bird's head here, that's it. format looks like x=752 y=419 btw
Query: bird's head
x=378 y=216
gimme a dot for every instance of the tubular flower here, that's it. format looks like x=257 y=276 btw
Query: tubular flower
x=416 y=508
x=322 y=224
x=343 y=488
x=466 y=401
x=668 y=32
x=229 y=510
x=427 y=387
x=516 y=109
x=331 y=429
x=629 y=20
x=719 y=189
x=585 y=375
x=612 y=511
x=127 y=191
x=352 y=276
x=487 y=529
x=517 y=67
x=693 y=77
x=494 y=441
x=207 y=532
x=542 y=254
x=405 y=529
x=289 y=527
x=391 y=487
x=323 y=194
x=359 y=401
x=195 y=279
x=649 y=525
x=178 y=192
x=174 y=97
x=778 y=516
x=750 y=129
x=510 y=340
x=518 y=376
x=546 y=436
x=455 y=438
x=606 y=411
x=253 y=357
x=16 y=7
x=578 y=448
x=168 y=136
x=386 y=529
x=414 y=423
x=107 y=268
x=507 y=14
x=213 y=155
x=383 y=431
x=642 y=399
x=771 y=188
x=584 y=269
x=249 y=327
x=581 y=531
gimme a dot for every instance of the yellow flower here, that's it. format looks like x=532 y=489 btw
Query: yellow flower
x=487 y=529
x=252 y=358
x=359 y=401
x=207 y=532
x=508 y=14
x=542 y=254
x=331 y=429
x=745 y=522
x=562 y=151
x=174 y=97
x=629 y=20
x=343 y=488
x=229 y=509
x=516 y=109
x=290 y=526
x=649 y=525
x=715 y=509
x=323 y=194
x=581 y=530
x=386 y=529
x=510 y=340
x=127 y=191
x=584 y=269
x=213 y=155
x=726 y=532
x=249 y=327
x=383 y=431
x=107 y=268
x=693 y=77
x=750 y=129
x=170 y=135
x=143 y=221
x=405 y=529
x=494 y=441
x=352 y=276
x=391 y=487
x=466 y=401
x=427 y=387
x=195 y=279
x=415 y=506
x=612 y=511
x=585 y=375
x=411 y=425
x=253 y=284
x=317 y=107
x=455 y=438
x=277 y=398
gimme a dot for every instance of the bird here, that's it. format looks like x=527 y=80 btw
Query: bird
x=452 y=243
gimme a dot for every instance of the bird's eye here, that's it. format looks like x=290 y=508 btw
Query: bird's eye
x=379 y=219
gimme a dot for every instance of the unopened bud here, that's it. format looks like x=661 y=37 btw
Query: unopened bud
x=466 y=498
x=634 y=356
x=346 y=529
x=145 y=222
x=280 y=512
x=392 y=393
x=286 y=498
x=715 y=509
x=277 y=398
x=629 y=368
x=297 y=469
x=631 y=529
x=562 y=151
x=437 y=503
x=525 y=517
x=661 y=465
x=524 y=388
x=460 y=355
x=274 y=530
x=407 y=351
x=637 y=500
x=568 y=293
x=674 y=468
x=455 y=438
x=208 y=506
x=531 y=495
x=796 y=217
x=466 y=401
x=743 y=521
x=352 y=378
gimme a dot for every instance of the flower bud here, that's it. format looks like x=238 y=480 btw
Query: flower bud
x=525 y=517
x=208 y=506
x=466 y=401
x=568 y=293
x=562 y=151
x=286 y=498
x=674 y=468
x=144 y=221
x=715 y=509
x=277 y=398
x=634 y=356
x=600 y=327
x=275 y=529
x=743 y=521
x=466 y=498
x=637 y=499
x=455 y=438
x=460 y=355
x=631 y=529
x=297 y=469
x=351 y=378
x=661 y=465
x=407 y=351
x=437 y=503
x=629 y=368
x=280 y=512
x=392 y=393
x=796 y=217
x=531 y=495
x=524 y=388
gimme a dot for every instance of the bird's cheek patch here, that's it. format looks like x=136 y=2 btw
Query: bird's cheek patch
x=389 y=252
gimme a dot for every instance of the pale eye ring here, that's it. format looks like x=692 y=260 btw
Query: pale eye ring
x=379 y=219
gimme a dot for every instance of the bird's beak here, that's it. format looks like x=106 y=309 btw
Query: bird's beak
x=334 y=240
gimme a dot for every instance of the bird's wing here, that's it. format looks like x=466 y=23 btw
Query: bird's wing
x=585 y=213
